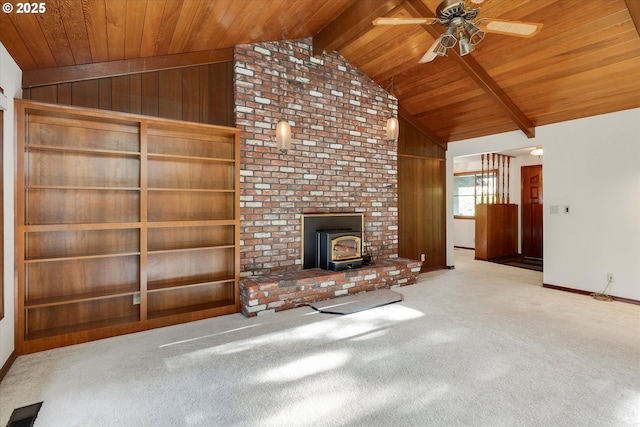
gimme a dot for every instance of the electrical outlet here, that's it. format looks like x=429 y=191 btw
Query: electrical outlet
x=610 y=278
x=136 y=299
x=423 y=257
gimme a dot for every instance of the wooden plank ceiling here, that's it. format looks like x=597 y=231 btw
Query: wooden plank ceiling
x=584 y=62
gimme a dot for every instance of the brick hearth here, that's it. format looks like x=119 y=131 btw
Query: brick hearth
x=276 y=292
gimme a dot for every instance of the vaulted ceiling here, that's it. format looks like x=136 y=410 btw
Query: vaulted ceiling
x=584 y=62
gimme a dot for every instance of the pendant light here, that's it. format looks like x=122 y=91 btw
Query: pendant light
x=283 y=128
x=283 y=136
x=392 y=123
x=392 y=129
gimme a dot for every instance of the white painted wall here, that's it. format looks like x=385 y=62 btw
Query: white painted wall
x=10 y=80
x=593 y=166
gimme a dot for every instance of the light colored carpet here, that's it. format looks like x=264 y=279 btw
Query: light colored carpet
x=481 y=345
x=358 y=302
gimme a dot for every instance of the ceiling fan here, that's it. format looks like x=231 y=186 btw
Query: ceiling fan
x=462 y=29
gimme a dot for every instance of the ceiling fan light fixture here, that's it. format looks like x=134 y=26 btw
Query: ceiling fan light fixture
x=465 y=47
x=474 y=34
x=463 y=27
x=448 y=39
x=440 y=49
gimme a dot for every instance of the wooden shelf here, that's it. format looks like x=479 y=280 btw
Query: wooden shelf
x=193 y=190
x=91 y=296
x=195 y=248
x=186 y=283
x=71 y=187
x=124 y=223
x=152 y=156
x=70 y=258
x=92 y=151
x=79 y=227
x=196 y=223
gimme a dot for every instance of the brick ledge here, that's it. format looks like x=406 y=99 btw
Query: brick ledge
x=282 y=291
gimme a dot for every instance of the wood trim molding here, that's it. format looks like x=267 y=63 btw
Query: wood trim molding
x=7 y=365
x=588 y=293
x=415 y=156
x=476 y=72
x=75 y=73
x=353 y=22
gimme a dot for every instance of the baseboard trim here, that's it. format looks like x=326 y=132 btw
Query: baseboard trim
x=464 y=247
x=583 y=292
x=7 y=365
x=429 y=269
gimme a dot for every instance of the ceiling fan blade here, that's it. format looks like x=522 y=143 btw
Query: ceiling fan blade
x=431 y=53
x=510 y=28
x=403 y=21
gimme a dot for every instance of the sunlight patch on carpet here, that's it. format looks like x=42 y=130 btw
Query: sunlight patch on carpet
x=330 y=329
x=306 y=366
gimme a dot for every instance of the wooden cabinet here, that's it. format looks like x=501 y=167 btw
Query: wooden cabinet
x=496 y=230
x=124 y=223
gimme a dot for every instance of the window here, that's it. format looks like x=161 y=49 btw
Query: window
x=470 y=189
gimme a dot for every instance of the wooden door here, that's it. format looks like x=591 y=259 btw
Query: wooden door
x=532 y=211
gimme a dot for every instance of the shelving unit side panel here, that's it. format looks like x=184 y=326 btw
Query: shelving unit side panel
x=21 y=139
x=236 y=217
x=144 y=203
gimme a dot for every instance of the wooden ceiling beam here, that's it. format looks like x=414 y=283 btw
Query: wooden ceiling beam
x=634 y=10
x=418 y=9
x=97 y=70
x=352 y=23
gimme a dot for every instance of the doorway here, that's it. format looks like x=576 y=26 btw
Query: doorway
x=532 y=211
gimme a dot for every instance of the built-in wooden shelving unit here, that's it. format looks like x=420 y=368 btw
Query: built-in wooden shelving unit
x=124 y=223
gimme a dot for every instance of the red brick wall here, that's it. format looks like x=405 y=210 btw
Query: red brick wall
x=339 y=161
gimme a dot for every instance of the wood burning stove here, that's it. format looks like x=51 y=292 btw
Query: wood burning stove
x=338 y=250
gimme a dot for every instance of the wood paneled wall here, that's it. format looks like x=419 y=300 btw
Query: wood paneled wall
x=421 y=197
x=202 y=94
